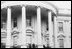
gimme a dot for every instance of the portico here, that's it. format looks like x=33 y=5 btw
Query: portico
x=34 y=17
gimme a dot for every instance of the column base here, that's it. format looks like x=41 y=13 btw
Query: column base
x=23 y=46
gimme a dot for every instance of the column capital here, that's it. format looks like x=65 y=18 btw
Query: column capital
x=38 y=6
x=8 y=7
x=49 y=10
x=23 y=5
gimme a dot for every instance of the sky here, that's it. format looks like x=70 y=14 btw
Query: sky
x=59 y=4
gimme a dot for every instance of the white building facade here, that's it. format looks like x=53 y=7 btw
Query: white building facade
x=28 y=23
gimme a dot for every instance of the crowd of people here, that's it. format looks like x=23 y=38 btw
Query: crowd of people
x=28 y=46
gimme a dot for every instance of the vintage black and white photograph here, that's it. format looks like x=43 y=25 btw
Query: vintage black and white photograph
x=35 y=24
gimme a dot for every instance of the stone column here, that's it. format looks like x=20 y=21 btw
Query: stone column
x=39 y=27
x=8 y=41
x=55 y=32
x=50 y=28
x=23 y=27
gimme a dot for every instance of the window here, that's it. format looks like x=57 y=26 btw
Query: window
x=3 y=25
x=3 y=34
x=3 y=45
x=15 y=40
x=60 y=26
x=15 y=22
x=61 y=43
x=28 y=22
x=70 y=28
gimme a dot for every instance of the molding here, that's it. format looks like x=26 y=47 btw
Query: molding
x=36 y=3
